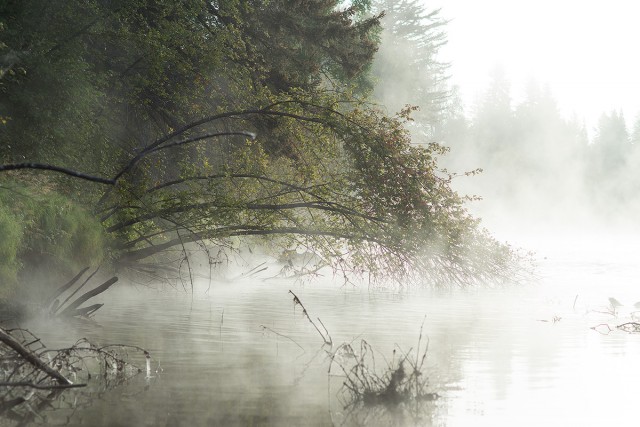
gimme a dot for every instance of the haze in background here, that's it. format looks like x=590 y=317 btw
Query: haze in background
x=545 y=101
x=584 y=50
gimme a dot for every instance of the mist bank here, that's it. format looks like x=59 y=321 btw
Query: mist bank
x=540 y=168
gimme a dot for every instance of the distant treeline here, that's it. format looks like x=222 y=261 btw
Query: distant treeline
x=540 y=163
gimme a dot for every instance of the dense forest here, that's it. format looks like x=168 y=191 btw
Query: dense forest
x=134 y=132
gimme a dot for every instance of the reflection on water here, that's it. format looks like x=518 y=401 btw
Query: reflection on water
x=520 y=356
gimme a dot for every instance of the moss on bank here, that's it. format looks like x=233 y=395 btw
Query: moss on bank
x=45 y=234
x=11 y=232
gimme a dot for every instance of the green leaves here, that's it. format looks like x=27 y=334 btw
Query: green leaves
x=229 y=119
x=46 y=230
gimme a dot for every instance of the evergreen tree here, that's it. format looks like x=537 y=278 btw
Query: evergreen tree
x=407 y=70
x=611 y=144
x=635 y=132
x=493 y=117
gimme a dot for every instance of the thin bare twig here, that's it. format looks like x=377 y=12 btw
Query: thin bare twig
x=265 y=328
x=327 y=337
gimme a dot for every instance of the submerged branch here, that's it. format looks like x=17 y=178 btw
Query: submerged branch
x=88 y=295
x=265 y=328
x=30 y=357
x=20 y=351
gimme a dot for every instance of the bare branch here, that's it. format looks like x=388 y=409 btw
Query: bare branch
x=247 y=230
x=265 y=111
x=58 y=169
x=324 y=206
x=27 y=355
x=250 y=135
x=40 y=386
x=88 y=295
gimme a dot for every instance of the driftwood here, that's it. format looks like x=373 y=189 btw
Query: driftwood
x=85 y=311
x=71 y=309
x=64 y=287
x=78 y=288
x=28 y=355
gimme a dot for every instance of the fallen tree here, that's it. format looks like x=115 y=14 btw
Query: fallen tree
x=239 y=121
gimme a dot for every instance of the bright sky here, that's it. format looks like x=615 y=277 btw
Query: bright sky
x=586 y=50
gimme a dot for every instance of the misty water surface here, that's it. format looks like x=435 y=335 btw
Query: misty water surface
x=496 y=356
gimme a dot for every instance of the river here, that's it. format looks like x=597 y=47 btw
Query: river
x=239 y=352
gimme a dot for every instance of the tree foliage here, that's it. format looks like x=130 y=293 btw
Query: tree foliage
x=217 y=121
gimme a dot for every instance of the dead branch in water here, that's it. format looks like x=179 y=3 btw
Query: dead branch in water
x=58 y=292
x=88 y=295
x=325 y=336
x=33 y=377
x=74 y=309
x=629 y=327
x=32 y=358
x=40 y=387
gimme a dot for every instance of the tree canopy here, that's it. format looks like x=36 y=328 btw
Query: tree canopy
x=211 y=121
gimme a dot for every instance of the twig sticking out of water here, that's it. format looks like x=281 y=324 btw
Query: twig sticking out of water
x=220 y=329
x=325 y=335
x=267 y=329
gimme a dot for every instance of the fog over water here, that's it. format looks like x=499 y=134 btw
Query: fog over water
x=561 y=170
x=516 y=355
x=555 y=196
